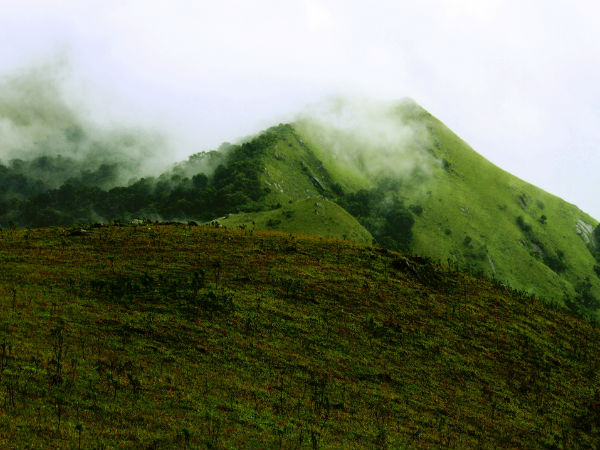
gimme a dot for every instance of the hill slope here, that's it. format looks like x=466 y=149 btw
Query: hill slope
x=316 y=216
x=466 y=210
x=189 y=337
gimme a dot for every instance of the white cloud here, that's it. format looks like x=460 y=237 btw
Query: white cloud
x=318 y=15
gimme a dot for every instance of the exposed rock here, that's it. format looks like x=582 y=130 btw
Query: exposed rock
x=317 y=184
x=537 y=249
x=491 y=263
x=585 y=231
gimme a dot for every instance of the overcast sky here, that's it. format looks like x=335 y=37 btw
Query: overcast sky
x=518 y=80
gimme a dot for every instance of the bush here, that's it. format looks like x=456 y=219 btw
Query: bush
x=416 y=209
x=216 y=303
x=383 y=214
x=556 y=263
x=524 y=226
x=272 y=223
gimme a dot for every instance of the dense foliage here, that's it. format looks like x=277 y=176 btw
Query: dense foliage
x=595 y=244
x=485 y=228
x=381 y=212
x=29 y=201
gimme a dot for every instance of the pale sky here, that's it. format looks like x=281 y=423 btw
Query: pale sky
x=517 y=80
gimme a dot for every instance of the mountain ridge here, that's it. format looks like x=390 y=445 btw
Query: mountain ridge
x=471 y=196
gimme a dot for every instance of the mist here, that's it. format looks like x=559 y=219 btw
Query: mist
x=379 y=139
x=49 y=134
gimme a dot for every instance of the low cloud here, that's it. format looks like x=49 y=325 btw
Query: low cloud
x=41 y=121
x=374 y=138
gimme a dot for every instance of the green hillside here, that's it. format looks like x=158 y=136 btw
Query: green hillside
x=159 y=336
x=312 y=216
x=470 y=213
x=515 y=231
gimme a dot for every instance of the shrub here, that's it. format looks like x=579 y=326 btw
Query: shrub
x=524 y=226
x=272 y=223
x=556 y=263
x=416 y=209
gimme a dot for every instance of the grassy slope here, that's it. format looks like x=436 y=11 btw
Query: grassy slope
x=291 y=169
x=475 y=200
x=176 y=336
x=295 y=178
x=316 y=216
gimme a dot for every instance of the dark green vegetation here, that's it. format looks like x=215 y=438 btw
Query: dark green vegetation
x=234 y=185
x=383 y=214
x=161 y=336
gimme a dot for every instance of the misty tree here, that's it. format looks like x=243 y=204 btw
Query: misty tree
x=382 y=213
x=70 y=193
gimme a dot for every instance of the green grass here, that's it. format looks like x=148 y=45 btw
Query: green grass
x=161 y=336
x=317 y=216
x=474 y=198
x=291 y=170
x=316 y=140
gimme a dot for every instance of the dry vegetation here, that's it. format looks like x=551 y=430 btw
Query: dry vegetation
x=166 y=336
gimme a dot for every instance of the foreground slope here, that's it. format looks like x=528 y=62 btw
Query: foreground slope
x=162 y=336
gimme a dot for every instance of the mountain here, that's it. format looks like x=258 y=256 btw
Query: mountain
x=180 y=336
x=363 y=171
x=449 y=203
x=470 y=213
